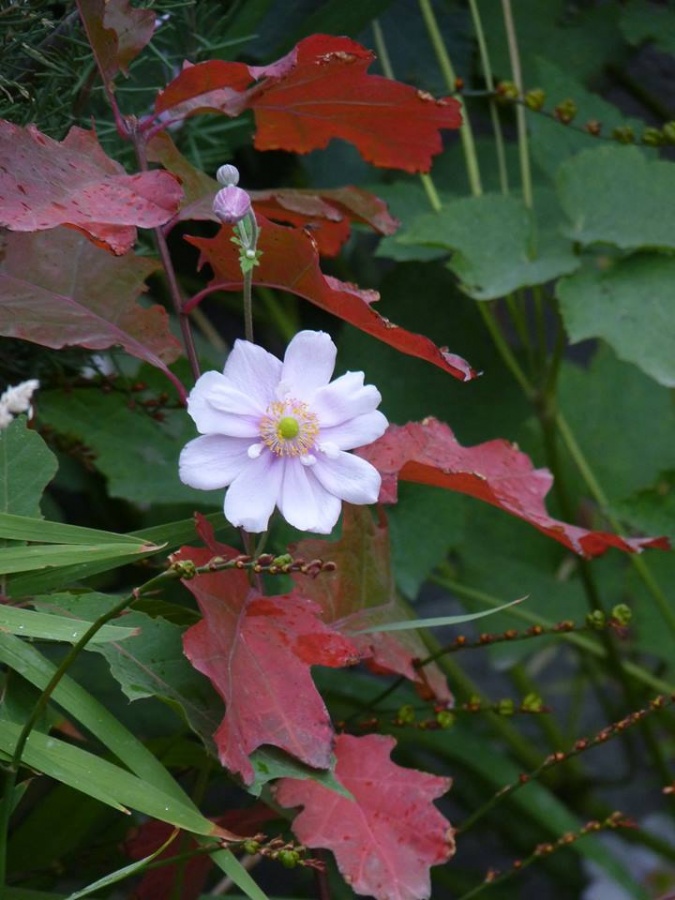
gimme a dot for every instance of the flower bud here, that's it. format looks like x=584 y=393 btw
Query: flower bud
x=228 y=175
x=231 y=205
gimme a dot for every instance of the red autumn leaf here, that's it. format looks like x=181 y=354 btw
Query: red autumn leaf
x=257 y=652
x=361 y=593
x=320 y=91
x=57 y=289
x=44 y=183
x=497 y=472
x=290 y=262
x=387 y=838
x=117 y=33
x=328 y=213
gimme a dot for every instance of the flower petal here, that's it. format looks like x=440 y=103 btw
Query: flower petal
x=212 y=461
x=252 y=496
x=253 y=372
x=218 y=408
x=356 y=432
x=348 y=477
x=304 y=503
x=308 y=363
x=345 y=398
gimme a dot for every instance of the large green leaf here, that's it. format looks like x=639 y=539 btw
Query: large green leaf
x=613 y=195
x=497 y=246
x=632 y=306
x=642 y=21
x=151 y=664
x=26 y=468
x=623 y=422
x=137 y=454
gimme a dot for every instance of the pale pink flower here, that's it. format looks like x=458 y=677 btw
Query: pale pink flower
x=277 y=434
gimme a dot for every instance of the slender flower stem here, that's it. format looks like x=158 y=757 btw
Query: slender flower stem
x=169 y=271
x=248 y=305
x=489 y=81
x=466 y=132
x=521 y=124
x=505 y=351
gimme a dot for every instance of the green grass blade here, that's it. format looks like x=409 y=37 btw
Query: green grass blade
x=29 y=623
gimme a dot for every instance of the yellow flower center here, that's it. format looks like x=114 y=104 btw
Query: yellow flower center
x=289 y=428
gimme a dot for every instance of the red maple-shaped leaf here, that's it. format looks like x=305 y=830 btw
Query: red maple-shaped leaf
x=117 y=33
x=320 y=91
x=44 y=183
x=327 y=213
x=497 y=472
x=257 y=652
x=361 y=593
x=389 y=835
x=290 y=261
x=57 y=289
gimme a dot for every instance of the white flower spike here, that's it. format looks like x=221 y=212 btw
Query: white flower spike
x=277 y=434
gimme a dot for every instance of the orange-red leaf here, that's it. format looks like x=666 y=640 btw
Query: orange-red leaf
x=389 y=835
x=497 y=472
x=321 y=90
x=290 y=261
x=361 y=593
x=117 y=33
x=44 y=183
x=257 y=652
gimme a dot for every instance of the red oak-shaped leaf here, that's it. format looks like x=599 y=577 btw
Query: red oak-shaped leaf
x=117 y=33
x=387 y=838
x=57 y=289
x=497 y=472
x=257 y=652
x=290 y=261
x=44 y=183
x=328 y=213
x=361 y=593
x=320 y=91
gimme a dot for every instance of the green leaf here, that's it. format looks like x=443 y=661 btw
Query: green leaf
x=642 y=21
x=151 y=664
x=497 y=245
x=27 y=559
x=623 y=422
x=630 y=305
x=26 y=468
x=24 y=528
x=438 y=621
x=651 y=510
x=28 y=623
x=613 y=195
x=102 y=780
x=125 y=872
x=137 y=454
x=269 y=764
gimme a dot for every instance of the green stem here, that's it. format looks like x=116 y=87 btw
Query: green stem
x=431 y=192
x=248 y=305
x=489 y=82
x=466 y=132
x=521 y=124
x=505 y=351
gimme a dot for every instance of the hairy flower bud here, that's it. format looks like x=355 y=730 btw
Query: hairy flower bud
x=228 y=175
x=231 y=205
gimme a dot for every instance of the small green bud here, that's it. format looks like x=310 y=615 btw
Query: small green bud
x=289 y=858
x=653 y=137
x=505 y=707
x=507 y=90
x=284 y=560
x=624 y=134
x=406 y=715
x=668 y=132
x=251 y=847
x=445 y=719
x=622 y=613
x=532 y=703
x=566 y=111
x=596 y=619
x=535 y=99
